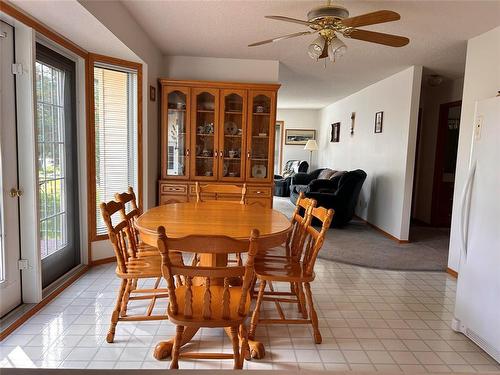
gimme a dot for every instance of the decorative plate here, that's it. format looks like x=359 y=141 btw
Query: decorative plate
x=230 y=128
x=259 y=171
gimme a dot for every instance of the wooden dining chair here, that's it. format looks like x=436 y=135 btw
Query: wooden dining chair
x=235 y=190
x=131 y=268
x=206 y=299
x=295 y=237
x=297 y=270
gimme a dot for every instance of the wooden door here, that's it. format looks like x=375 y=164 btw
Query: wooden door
x=260 y=135
x=175 y=132
x=205 y=133
x=445 y=163
x=232 y=135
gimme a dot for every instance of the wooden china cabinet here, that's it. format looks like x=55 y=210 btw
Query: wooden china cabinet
x=217 y=132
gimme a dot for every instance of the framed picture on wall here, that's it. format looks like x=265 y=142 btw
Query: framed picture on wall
x=379 y=119
x=299 y=136
x=335 y=136
x=152 y=93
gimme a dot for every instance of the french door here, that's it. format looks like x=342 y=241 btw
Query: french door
x=10 y=276
x=57 y=164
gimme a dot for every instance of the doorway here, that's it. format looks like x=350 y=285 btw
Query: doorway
x=278 y=146
x=445 y=163
x=10 y=276
x=57 y=169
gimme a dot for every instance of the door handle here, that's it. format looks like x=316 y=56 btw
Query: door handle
x=465 y=212
x=15 y=193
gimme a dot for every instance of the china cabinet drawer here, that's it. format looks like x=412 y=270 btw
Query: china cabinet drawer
x=259 y=191
x=173 y=189
x=168 y=199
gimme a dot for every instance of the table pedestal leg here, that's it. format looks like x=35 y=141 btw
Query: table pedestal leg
x=255 y=348
x=164 y=348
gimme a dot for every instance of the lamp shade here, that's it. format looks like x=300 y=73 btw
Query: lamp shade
x=311 y=145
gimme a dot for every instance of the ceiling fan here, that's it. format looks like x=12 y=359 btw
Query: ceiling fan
x=330 y=21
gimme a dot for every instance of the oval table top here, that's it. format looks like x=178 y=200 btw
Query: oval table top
x=214 y=218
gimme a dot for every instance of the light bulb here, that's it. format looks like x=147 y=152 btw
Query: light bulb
x=316 y=48
x=336 y=49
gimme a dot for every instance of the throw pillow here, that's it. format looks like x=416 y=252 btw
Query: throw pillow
x=325 y=174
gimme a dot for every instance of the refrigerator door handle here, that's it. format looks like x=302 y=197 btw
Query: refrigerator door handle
x=464 y=222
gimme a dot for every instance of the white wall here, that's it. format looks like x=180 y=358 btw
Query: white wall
x=299 y=119
x=430 y=100
x=220 y=69
x=388 y=157
x=482 y=80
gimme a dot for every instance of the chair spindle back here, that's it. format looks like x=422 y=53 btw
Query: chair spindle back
x=314 y=239
x=211 y=276
x=295 y=240
x=221 y=189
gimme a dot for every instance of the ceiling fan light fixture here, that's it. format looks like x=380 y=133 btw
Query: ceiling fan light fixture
x=316 y=47
x=336 y=49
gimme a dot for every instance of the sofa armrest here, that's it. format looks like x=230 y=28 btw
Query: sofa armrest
x=327 y=200
x=320 y=184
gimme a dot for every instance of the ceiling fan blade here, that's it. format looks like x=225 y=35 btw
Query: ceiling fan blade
x=380 y=38
x=373 y=18
x=281 y=38
x=288 y=19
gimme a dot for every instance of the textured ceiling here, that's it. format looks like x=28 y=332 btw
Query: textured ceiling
x=438 y=31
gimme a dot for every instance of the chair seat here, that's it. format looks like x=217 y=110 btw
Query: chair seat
x=275 y=251
x=281 y=269
x=146 y=266
x=216 y=307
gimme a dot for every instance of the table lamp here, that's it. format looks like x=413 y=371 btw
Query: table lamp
x=311 y=146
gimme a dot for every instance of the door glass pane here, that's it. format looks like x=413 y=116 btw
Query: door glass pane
x=259 y=150
x=176 y=134
x=233 y=135
x=51 y=150
x=205 y=134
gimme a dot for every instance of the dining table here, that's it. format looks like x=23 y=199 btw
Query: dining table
x=221 y=218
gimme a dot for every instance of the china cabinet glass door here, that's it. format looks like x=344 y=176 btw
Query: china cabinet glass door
x=232 y=135
x=177 y=141
x=260 y=135
x=205 y=118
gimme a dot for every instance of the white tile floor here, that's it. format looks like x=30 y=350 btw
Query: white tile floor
x=370 y=320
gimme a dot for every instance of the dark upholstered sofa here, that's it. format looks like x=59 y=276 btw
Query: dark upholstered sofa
x=282 y=183
x=331 y=189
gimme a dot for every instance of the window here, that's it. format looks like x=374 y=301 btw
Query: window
x=116 y=131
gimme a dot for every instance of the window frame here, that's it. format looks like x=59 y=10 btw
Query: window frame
x=91 y=146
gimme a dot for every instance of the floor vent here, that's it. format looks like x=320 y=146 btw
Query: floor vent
x=485 y=345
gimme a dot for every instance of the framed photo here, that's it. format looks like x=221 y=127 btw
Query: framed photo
x=152 y=93
x=379 y=119
x=335 y=136
x=299 y=136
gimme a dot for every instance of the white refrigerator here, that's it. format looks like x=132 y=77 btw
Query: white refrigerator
x=477 y=308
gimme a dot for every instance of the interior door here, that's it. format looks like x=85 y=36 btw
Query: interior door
x=57 y=164
x=205 y=128
x=10 y=277
x=232 y=135
x=445 y=163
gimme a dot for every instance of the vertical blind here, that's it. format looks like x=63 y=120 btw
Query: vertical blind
x=115 y=96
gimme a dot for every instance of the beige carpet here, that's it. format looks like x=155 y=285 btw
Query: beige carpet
x=359 y=244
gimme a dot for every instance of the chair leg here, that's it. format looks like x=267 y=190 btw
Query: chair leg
x=314 y=316
x=302 y=300
x=238 y=362
x=116 y=312
x=126 y=297
x=245 y=348
x=256 y=312
x=174 y=364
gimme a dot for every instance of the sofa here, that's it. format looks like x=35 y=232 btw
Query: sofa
x=331 y=189
x=282 y=182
